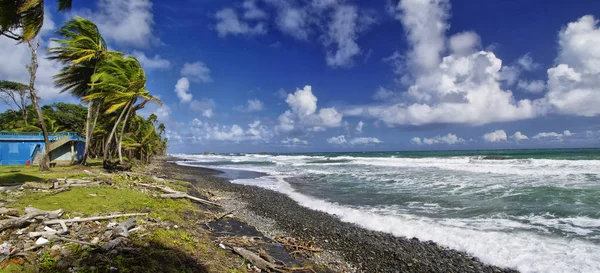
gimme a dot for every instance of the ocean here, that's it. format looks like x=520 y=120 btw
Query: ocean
x=532 y=210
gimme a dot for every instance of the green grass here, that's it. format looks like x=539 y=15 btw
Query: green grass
x=13 y=175
x=103 y=200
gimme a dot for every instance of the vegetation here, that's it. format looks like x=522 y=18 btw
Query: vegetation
x=22 y=20
x=111 y=84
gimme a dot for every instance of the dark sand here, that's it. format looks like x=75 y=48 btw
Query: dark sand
x=367 y=251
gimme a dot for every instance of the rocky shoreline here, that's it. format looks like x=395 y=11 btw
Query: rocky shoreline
x=364 y=250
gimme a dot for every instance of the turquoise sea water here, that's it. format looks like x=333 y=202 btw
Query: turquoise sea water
x=534 y=210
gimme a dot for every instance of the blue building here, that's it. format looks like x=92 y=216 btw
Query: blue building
x=23 y=148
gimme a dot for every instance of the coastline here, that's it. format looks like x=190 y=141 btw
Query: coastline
x=345 y=243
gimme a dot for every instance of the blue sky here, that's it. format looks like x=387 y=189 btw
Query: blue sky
x=335 y=75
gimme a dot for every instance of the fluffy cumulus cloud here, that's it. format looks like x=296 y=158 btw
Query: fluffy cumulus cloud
x=462 y=87
x=181 y=89
x=128 y=23
x=518 y=136
x=197 y=72
x=449 y=139
x=304 y=117
x=202 y=132
x=253 y=105
x=495 y=136
x=341 y=140
x=14 y=57
x=205 y=106
x=343 y=32
x=574 y=83
x=156 y=62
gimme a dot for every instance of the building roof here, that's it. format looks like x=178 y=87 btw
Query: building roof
x=38 y=136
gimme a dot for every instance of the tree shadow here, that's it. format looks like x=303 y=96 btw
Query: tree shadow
x=17 y=179
x=135 y=258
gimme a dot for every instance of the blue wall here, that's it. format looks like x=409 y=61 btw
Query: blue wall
x=17 y=153
x=19 y=148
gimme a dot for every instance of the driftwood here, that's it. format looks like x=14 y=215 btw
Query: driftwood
x=113 y=243
x=123 y=228
x=262 y=264
x=74 y=241
x=9 y=211
x=30 y=214
x=171 y=193
x=58 y=221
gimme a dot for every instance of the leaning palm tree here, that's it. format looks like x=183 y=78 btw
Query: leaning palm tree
x=22 y=20
x=121 y=83
x=82 y=51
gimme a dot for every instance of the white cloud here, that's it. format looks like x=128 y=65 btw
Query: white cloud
x=338 y=140
x=383 y=94
x=181 y=89
x=294 y=141
x=425 y=24
x=365 y=140
x=253 y=105
x=156 y=62
x=527 y=63
x=293 y=21
x=197 y=72
x=551 y=135
x=163 y=112
x=416 y=140
x=359 y=126
x=532 y=86
x=205 y=106
x=230 y=24
x=128 y=23
x=574 y=83
x=495 y=136
x=518 y=136
x=14 y=57
x=343 y=32
x=251 y=11
x=464 y=43
x=567 y=133
x=449 y=139
x=459 y=88
x=200 y=132
x=304 y=117
x=341 y=140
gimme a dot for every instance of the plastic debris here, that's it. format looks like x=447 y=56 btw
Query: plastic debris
x=5 y=248
x=41 y=241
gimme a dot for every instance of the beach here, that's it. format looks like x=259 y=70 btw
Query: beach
x=350 y=246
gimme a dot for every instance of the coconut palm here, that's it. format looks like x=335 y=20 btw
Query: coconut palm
x=82 y=50
x=121 y=83
x=22 y=20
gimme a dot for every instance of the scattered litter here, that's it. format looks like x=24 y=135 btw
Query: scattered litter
x=41 y=241
x=5 y=248
x=222 y=246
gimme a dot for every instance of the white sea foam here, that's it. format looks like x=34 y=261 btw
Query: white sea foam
x=523 y=251
x=528 y=243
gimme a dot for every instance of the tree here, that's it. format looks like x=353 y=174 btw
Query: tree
x=82 y=51
x=121 y=83
x=28 y=17
x=15 y=93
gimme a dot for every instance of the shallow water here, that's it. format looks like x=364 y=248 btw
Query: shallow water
x=533 y=210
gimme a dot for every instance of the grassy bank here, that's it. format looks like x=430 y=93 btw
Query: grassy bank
x=169 y=240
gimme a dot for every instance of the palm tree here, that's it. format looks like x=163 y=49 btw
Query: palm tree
x=81 y=51
x=22 y=20
x=121 y=83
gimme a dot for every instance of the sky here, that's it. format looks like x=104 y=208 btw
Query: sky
x=342 y=75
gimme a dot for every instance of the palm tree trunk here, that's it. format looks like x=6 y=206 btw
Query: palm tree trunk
x=120 y=143
x=112 y=133
x=34 y=99
x=87 y=132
